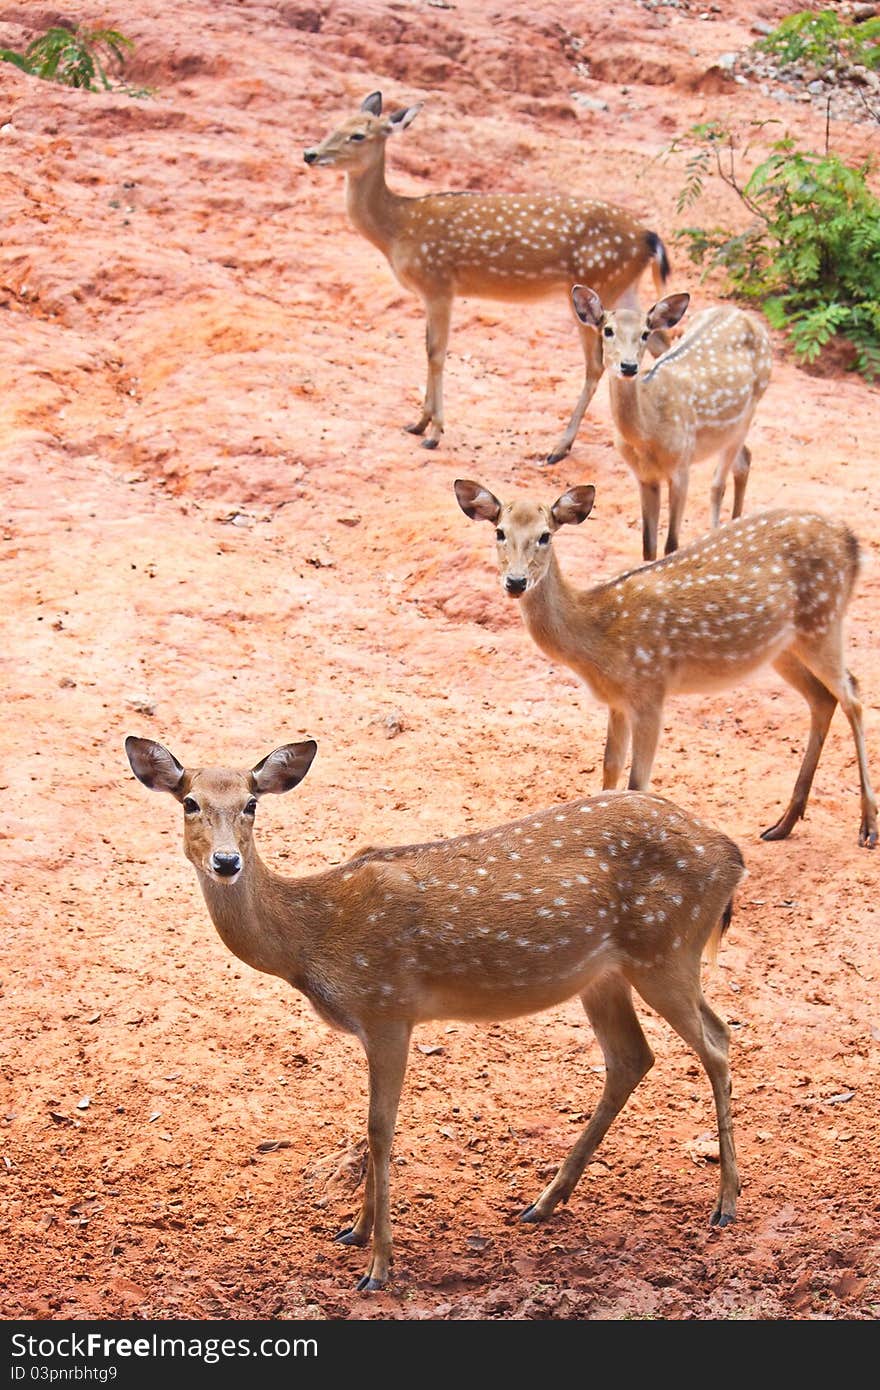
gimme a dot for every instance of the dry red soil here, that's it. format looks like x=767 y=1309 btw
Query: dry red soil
x=215 y=533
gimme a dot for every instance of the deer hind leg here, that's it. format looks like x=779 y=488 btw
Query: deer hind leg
x=824 y=657
x=678 y=489
x=592 y=349
x=386 y=1054
x=627 y=1059
x=822 y=706
x=439 y=316
x=616 y=745
x=675 y=993
x=650 y=496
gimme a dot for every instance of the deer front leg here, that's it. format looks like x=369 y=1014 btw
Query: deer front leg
x=439 y=315
x=616 y=745
x=650 y=494
x=360 y=1232
x=387 y=1049
x=678 y=488
x=646 y=725
x=592 y=346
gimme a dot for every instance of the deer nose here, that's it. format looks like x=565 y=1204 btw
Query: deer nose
x=310 y=156
x=225 y=863
x=515 y=586
x=628 y=368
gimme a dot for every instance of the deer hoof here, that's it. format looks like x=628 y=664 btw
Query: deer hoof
x=430 y=443
x=531 y=1215
x=370 y=1285
x=720 y=1219
x=349 y=1237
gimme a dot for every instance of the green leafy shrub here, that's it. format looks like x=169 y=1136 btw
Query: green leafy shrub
x=810 y=257
x=75 y=58
x=821 y=39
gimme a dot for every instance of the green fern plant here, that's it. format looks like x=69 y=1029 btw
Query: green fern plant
x=74 y=57
x=811 y=255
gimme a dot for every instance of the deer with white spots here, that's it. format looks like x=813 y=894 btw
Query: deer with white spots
x=590 y=898
x=698 y=400
x=770 y=588
x=511 y=246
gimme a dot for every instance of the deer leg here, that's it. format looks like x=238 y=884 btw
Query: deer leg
x=616 y=745
x=592 y=348
x=646 y=725
x=628 y=1058
x=387 y=1050
x=825 y=659
x=741 y=465
x=822 y=706
x=678 y=489
x=439 y=315
x=359 y=1233
x=675 y=993
x=650 y=493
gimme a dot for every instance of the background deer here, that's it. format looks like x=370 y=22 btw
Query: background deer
x=515 y=246
x=773 y=588
x=591 y=898
x=696 y=401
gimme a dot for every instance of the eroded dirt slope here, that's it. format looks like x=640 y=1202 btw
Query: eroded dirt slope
x=216 y=533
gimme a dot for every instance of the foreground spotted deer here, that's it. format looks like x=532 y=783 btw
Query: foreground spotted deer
x=591 y=898
x=773 y=587
x=514 y=246
x=698 y=400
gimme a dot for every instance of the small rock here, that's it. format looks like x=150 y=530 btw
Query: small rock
x=589 y=103
x=143 y=704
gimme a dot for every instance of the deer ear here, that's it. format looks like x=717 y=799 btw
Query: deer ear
x=399 y=120
x=573 y=506
x=667 y=312
x=372 y=104
x=476 y=501
x=587 y=305
x=283 y=769
x=154 y=765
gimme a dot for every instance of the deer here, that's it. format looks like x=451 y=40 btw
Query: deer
x=508 y=246
x=771 y=588
x=593 y=898
x=697 y=400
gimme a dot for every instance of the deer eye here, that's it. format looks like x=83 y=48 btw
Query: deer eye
x=544 y=538
x=646 y=335
x=251 y=808
x=357 y=135
x=190 y=805
x=500 y=536
x=608 y=331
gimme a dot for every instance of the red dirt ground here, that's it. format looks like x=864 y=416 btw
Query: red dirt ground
x=216 y=533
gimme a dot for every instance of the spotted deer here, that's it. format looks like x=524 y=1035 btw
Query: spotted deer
x=590 y=898
x=511 y=246
x=770 y=588
x=698 y=400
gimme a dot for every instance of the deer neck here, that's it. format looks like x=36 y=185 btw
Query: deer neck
x=372 y=207
x=561 y=619
x=634 y=409
x=269 y=922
